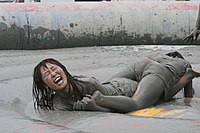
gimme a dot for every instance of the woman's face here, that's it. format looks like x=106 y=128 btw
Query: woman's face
x=54 y=77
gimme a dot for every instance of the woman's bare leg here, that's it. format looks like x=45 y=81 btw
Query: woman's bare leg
x=148 y=92
x=150 y=89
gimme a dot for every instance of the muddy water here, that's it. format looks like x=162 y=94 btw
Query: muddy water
x=16 y=108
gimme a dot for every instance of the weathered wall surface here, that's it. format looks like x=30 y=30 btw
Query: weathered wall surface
x=73 y=24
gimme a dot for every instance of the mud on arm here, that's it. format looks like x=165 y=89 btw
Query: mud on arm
x=88 y=104
x=188 y=90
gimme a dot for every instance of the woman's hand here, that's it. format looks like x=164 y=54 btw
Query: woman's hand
x=87 y=103
x=193 y=36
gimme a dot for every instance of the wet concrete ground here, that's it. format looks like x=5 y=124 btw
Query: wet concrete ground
x=16 y=109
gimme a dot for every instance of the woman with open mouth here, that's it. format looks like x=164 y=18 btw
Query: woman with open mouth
x=143 y=84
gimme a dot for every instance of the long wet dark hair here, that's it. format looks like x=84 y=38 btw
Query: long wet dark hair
x=43 y=96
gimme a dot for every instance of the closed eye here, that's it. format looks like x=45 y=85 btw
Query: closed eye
x=53 y=68
x=46 y=73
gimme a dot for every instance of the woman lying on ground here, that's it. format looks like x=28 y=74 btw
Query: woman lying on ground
x=142 y=84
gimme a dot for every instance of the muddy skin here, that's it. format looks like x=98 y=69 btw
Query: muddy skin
x=149 y=91
x=125 y=104
x=142 y=84
x=88 y=103
x=143 y=97
x=120 y=104
x=186 y=82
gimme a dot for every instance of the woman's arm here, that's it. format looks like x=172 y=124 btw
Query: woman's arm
x=196 y=31
x=89 y=104
x=188 y=90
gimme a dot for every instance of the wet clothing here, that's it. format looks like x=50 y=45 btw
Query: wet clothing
x=168 y=69
x=124 y=83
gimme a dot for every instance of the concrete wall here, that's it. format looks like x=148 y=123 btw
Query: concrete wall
x=73 y=24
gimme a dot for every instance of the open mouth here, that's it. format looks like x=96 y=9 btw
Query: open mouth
x=58 y=80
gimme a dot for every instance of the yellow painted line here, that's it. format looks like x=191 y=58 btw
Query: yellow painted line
x=170 y=113
x=156 y=112
x=149 y=112
x=198 y=99
x=162 y=111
